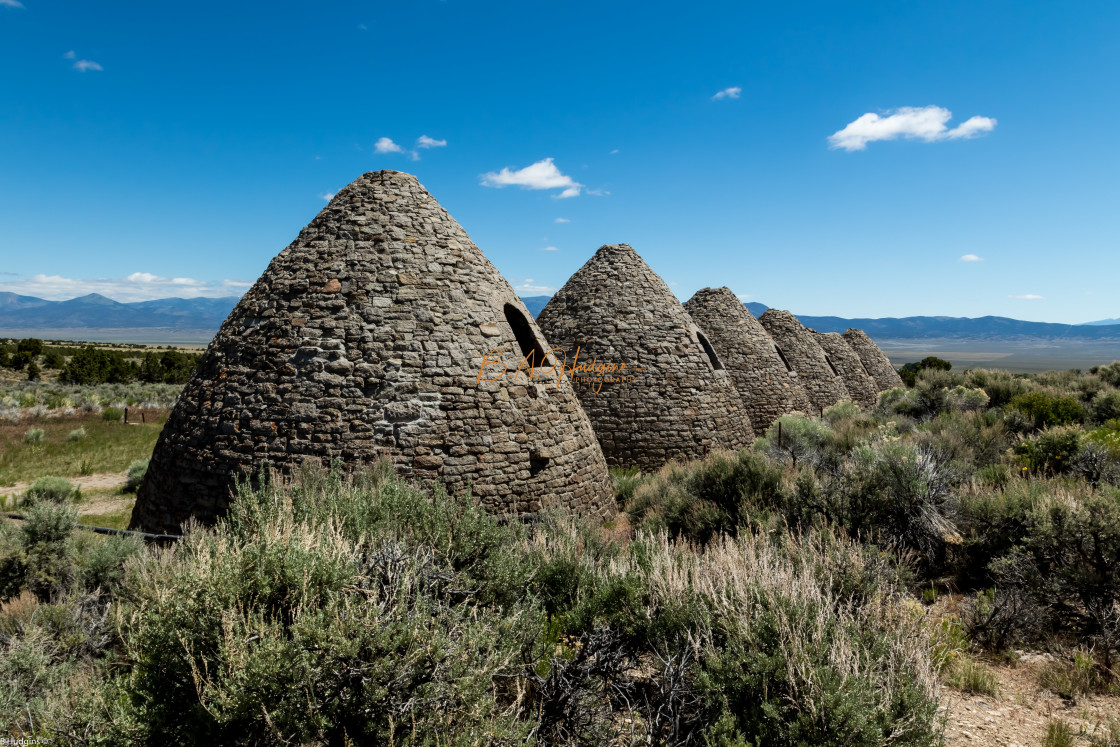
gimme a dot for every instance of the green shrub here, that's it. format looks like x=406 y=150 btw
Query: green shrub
x=1052 y=451
x=1046 y=410
x=51 y=489
x=33 y=436
x=1073 y=677
x=843 y=410
x=971 y=676
x=898 y=493
x=625 y=481
x=700 y=499
x=1106 y=406
x=136 y=472
x=1059 y=734
x=963 y=399
x=1108 y=436
x=286 y=605
x=1109 y=374
x=801 y=439
x=1000 y=386
x=47 y=560
x=77 y=434
x=910 y=371
x=112 y=415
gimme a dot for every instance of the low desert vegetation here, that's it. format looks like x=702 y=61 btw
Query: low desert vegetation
x=792 y=593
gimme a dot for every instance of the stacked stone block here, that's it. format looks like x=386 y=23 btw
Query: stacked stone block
x=769 y=388
x=796 y=343
x=861 y=387
x=366 y=339
x=874 y=360
x=675 y=400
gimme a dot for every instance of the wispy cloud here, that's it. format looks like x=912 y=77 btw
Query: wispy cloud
x=550 y=249
x=1028 y=297
x=528 y=286
x=386 y=145
x=363 y=27
x=429 y=142
x=928 y=123
x=139 y=286
x=327 y=196
x=614 y=152
x=11 y=3
x=562 y=220
x=733 y=92
x=971 y=258
x=598 y=192
x=79 y=65
x=540 y=175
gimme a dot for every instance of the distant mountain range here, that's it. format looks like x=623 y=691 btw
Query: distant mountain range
x=939 y=327
x=96 y=312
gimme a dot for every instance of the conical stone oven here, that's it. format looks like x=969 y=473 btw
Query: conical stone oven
x=768 y=385
x=820 y=378
x=366 y=339
x=675 y=399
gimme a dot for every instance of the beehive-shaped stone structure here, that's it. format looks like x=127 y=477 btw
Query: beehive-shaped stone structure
x=861 y=387
x=874 y=360
x=822 y=382
x=674 y=399
x=768 y=386
x=364 y=339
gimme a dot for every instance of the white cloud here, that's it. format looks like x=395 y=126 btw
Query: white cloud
x=529 y=287
x=562 y=220
x=11 y=3
x=385 y=145
x=926 y=123
x=86 y=65
x=138 y=286
x=728 y=93
x=613 y=152
x=428 y=142
x=549 y=249
x=971 y=258
x=540 y=175
x=598 y=192
x=69 y=55
x=1028 y=297
x=327 y=196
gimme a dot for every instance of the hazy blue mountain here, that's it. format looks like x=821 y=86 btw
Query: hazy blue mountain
x=98 y=312
x=1102 y=323
x=535 y=303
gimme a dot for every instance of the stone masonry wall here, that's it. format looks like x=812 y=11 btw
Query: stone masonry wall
x=768 y=386
x=823 y=385
x=682 y=403
x=860 y=386
x=364 y=340
x=874 y=360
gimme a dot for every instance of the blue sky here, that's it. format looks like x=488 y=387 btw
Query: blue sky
x=153 y=149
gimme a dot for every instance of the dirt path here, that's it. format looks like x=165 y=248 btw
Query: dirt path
x=87 y=482
x=1019 y=715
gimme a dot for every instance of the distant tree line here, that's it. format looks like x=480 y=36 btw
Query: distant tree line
x=93 y=365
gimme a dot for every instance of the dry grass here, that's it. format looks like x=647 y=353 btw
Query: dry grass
x=106 y=447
